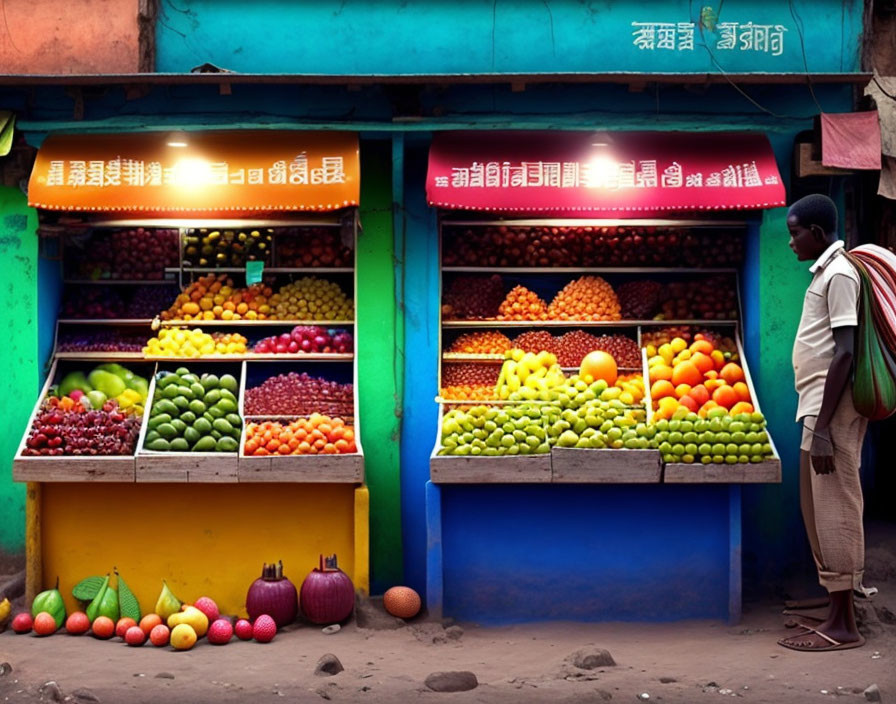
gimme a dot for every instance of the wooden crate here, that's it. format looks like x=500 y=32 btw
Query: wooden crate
x=584 y=466
x=518 y=469
x=765 y=472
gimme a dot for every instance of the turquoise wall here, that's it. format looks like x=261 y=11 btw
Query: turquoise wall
x=18 y=353
x=397 y=37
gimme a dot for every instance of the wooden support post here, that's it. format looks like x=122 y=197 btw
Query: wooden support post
x=735 y=569
x=33 y=552
x=362 y=539
x=434 y=567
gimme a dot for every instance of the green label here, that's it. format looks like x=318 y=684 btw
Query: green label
x=254 y=271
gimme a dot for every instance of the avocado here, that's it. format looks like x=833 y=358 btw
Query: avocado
x=206 y=444
x=158 y=445
x=229 y=382
x=226 y=444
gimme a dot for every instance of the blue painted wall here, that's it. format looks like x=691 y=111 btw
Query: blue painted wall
x=396 y=37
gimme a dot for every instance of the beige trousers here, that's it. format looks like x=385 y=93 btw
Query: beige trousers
x=832 y=503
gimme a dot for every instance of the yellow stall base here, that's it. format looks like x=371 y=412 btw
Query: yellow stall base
x=203 y=539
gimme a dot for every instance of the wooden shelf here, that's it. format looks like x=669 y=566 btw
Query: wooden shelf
x=103 y=356
x=578 y=323
x=193 y=467
x=267 y=270
x=308 y=469
x=111 y=322
x=122 y=282
x=140 y=357
x=253 y=323
x=598 y=222
x=74 y=468
x=766 y=472
x=583 y=466
x=466 y=469
x=587 y=270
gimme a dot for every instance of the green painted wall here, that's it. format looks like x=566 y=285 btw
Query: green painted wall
x=18 y=353
x=782 y=285
x=379 y=341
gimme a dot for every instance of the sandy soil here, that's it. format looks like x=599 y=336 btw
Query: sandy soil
x=681 y=662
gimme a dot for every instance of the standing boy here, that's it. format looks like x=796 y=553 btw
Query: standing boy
x=831 y=446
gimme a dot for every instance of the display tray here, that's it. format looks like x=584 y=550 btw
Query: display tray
x=766 y=472
x=333 y=469
x=572 y=465
x=108 y=468
x=494 y=323
x=526 y=469
x=242 y=323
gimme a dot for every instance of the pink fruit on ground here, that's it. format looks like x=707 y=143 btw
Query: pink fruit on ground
x=22 y=623
x=134 y=636
x=264 y=629
x=220 y=632
x=243 y=629
x=208 y=606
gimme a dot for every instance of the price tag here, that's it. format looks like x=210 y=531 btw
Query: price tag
x=254 y=272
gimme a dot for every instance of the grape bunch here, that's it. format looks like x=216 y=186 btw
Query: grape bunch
x=471 y=374
x=79 y=431
x=299 y=394
x=94 y=302
x=536 y=341
x=639 y=300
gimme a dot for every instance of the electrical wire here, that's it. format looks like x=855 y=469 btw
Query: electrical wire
x=798 y=23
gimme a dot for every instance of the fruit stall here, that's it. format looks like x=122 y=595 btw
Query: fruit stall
x=596 y=411
x=199 y=416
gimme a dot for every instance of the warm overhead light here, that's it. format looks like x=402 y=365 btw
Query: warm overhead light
x=177 y=139
x=600 y=144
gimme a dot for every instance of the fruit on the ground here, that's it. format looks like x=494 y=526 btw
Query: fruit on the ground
x=191 y=616
x=585 y=298
x=485 y=342
x=23 y=622
x=159 y=635
x=327 y=594
x=402 y=602
x=716 y=439
x=316 y=435
x=194 y=413
x=77 y=623
x=264 y=629
x=208 y=606
x=522 y=304
x=312 y=298
x=50 y=601
x=473 y=298
x=167 y=603
x=128 y=606
x=183 y=637
x=220 y=632
x=243 y=629
x=209 y=247
x=299 y=394
x=150 y=621
x=105 y=603
x=103 y=627
x=599 y=365
x=45 y=624
x=214 y=297
x=185 y=342
x=312 y=246
x=135 y=636
x=130 y=253
x=307 y=339
x=528 y=374
x=122 y=626
x=272 y=594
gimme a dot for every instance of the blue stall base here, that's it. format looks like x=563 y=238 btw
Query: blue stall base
x=513 y=553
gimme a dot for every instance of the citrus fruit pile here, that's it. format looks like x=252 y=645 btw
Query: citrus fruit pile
x=312 y=298
x=184 y=342
x=698 y=378
x=316 y=435
x=485 y=342
x=718 y=438
x=214 y=297
x=522 y=304
x=586 y=298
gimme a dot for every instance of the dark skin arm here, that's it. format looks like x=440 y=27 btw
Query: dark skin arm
x=822 y=451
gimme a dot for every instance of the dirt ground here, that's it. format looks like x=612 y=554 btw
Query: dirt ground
x=681 y=662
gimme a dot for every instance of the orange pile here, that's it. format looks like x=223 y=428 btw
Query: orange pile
x=586 y=298
x=522 y=304
x=468 y=392
x=316 y=435
x=698 y=377
x=486 y=342
x=214 y=297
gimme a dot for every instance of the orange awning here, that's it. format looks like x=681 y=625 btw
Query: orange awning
x=232 y=171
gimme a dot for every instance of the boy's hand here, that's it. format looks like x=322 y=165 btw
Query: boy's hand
x=822 y=452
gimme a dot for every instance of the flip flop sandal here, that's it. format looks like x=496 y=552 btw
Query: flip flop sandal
x=807 y=647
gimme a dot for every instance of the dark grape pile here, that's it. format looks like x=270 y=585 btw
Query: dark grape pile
x=308 y=339
x=80 y=431
x=714 y=298
x=86 y=340
x=473 y=297
x=536 y=341
x=135 y=253
x=470 y=374
x=573 y=346
x=92 y=302
x=297 y=394
x=639 y=300
x=313 y=246
x=149 y=301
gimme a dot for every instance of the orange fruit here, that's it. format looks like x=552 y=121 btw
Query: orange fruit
x=44 y=624
x=689 y=403
x=742 y=391
x=741 y=407
x=699 y=394
x=667 y=406
x=706 y=407
x=661 y=389
x=732 y=373
x=103 y=627
x=123 y=625
x=725 y=396
x=599 y=365
x=402 y=602
x=703 y=346
x=712 y=384
x=718 y=358
x=150 y=621
x=660 y=371
x=703 y=362
x=682 y=390
x=77 y=623
x=686 y=373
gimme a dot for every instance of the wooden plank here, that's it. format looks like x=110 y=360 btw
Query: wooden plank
x=320 y=469
x=526 y=469
x=74 y=469
x=584 y=466
x=217 y=467
x=766 y=472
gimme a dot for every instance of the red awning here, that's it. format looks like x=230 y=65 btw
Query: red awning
x=590 y=173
